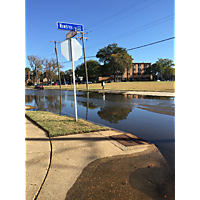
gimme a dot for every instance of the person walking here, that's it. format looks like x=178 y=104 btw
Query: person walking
x=103 y=85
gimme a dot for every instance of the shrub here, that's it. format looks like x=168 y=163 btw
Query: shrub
x=30 y=83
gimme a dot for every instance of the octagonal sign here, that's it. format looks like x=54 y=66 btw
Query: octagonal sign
x=76 y=48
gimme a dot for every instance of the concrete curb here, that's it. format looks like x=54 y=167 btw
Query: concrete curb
x=123 y=147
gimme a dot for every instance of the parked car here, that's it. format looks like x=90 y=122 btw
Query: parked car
x=54 y=83
x=89 y=82
x=39 y=86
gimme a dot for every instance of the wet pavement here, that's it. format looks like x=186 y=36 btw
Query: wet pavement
x=144 y=175
x=150 y=118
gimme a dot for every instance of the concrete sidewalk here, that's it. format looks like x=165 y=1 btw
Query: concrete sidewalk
x=71 y=156
x=37 y=158
x=162 y=94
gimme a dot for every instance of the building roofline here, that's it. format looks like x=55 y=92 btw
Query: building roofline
x=142 y=62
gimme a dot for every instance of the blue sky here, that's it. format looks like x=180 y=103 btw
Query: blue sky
x=129 y=23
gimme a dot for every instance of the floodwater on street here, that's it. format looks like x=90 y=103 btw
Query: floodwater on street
x=149 y=118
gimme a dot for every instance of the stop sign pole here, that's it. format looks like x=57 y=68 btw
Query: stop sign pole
x=72 y=51
x=72 y=58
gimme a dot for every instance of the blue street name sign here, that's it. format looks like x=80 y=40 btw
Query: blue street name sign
x=68 y=26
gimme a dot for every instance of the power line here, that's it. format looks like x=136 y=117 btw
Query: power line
x=125 y=16
x=134 y=47
x=117 y=13
x=47 y=51
x=160 y=21
x=47 y=55
x=144 y=45
x=42 y=52
x=151 y=44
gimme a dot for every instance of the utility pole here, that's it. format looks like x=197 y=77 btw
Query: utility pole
x=86 y=74
x=57 y=60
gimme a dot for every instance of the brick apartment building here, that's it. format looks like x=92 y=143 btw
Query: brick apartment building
x=136 y=73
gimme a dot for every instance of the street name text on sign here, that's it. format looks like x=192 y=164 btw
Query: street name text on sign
x=65 y=26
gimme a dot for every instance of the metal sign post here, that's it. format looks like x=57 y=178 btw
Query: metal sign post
x=72 y=51
x=72 y=59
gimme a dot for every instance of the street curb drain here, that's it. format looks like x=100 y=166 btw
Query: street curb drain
x=128 y=141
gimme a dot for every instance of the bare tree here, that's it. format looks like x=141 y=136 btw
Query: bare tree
x=36 y=65
x=50 y=68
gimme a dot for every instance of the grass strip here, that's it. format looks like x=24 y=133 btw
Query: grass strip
x=148 y=86
x=58 y=125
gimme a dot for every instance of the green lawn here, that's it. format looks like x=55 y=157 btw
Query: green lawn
x=58 y=125
x=148 y=86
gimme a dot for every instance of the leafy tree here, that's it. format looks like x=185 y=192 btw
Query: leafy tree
x=93 y=69
x=163 y=67
x=27 y=69
x=121 y=61
x=67 y=75
x=104 y=53
x=115 y=59
x=62 y=75
x=153 y=70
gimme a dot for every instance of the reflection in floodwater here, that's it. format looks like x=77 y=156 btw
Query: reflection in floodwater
x=113 y=108
x=137 y=96
x=150 y=118
x=114 y=114
x=45 y=103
